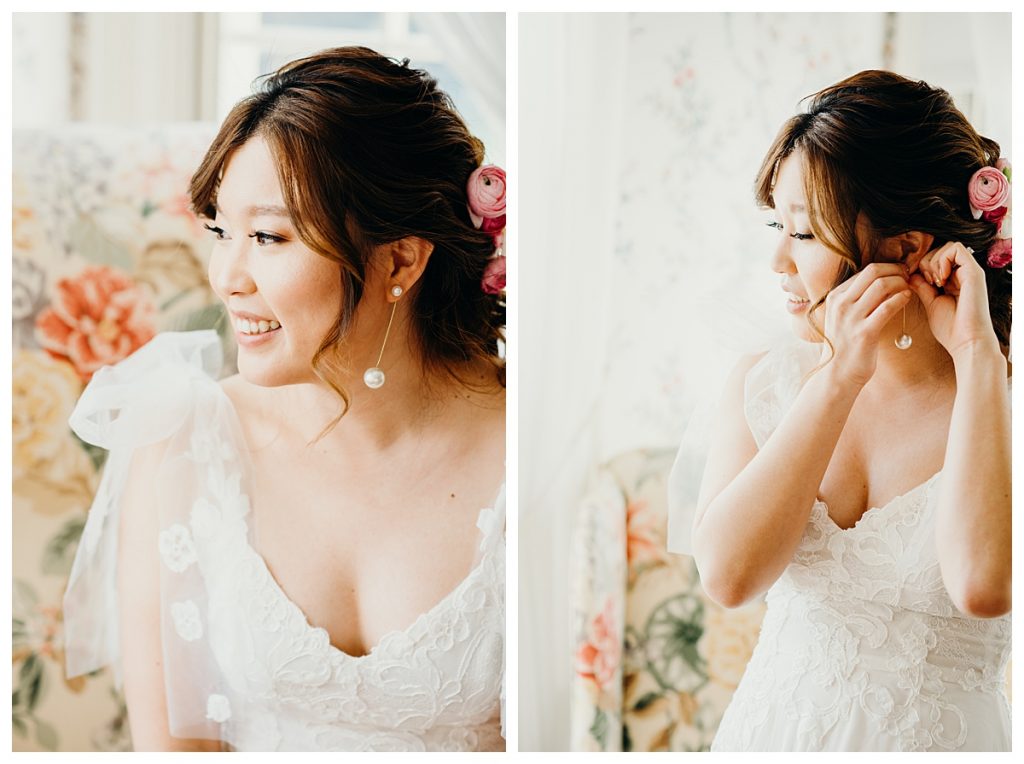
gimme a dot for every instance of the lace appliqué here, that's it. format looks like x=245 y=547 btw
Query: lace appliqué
x=861 y=638
x=432 y=686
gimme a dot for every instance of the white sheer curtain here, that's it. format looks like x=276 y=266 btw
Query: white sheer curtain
x=474 y=44
x=642 y=254
x=570 y=96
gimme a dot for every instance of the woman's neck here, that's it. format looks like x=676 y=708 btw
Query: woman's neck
x=376 y=421
x=925 y=362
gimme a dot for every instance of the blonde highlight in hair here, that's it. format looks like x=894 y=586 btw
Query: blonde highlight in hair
x=370 y=151
x=883 y=155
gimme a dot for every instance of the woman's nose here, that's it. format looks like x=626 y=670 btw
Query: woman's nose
x=781 y=261
x=229 y=271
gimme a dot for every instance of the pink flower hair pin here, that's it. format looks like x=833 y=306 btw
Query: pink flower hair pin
x=988 y=193
x=486 y=193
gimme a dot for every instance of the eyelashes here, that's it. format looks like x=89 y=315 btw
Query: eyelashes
x=262 y=237
x=798 y=236
x=218 y=233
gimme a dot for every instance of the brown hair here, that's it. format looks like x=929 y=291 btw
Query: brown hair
x=900 y=153
x=370 y=151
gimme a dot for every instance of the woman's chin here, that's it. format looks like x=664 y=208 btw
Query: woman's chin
x=260 y=372
x=802 y=330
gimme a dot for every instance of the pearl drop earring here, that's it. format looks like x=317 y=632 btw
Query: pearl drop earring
x=373 y=377
x=904 y=341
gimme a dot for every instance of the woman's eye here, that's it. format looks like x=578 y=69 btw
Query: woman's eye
x=774 y=224
x=802 y=236
x=217 y=232
x=263 y=238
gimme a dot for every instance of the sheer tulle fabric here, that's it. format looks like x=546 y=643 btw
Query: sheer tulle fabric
x=861 y=648
x=241 y=662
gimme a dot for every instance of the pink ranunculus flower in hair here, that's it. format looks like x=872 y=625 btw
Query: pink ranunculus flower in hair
x=987 y=190
x=494 y=276
x=1001 y=253
x=492 y=225
x=994 y=216
x=486 y=193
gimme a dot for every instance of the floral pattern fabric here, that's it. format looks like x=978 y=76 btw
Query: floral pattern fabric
x=105 y=255
x=656 y=660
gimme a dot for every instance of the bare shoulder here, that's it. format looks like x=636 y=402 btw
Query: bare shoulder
x=746 y=363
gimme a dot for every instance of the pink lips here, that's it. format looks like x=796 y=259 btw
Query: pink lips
x=249 y=316
x=795 y=303
x=252 y=340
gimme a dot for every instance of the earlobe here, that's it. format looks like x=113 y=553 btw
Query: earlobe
x=915 y=245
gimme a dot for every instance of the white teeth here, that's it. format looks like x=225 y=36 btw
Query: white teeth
x=255 y=327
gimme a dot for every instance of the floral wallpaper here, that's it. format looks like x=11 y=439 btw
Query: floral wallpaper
x=704 y=96
x=105 y=255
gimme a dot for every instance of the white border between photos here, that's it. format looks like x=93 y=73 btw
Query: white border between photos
x=512 y=9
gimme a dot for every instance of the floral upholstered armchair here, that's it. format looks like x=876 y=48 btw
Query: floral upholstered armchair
x=105 y=255
x=656 y=660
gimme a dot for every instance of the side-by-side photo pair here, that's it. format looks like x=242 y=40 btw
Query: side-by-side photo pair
x=704 y=317
x=764 y=428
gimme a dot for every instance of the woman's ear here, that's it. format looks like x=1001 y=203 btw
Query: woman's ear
x=914 y=245
x=405 y=260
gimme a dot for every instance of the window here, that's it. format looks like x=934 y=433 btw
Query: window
x=252 y=44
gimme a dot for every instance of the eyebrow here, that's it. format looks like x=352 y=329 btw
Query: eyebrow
x=258 y=210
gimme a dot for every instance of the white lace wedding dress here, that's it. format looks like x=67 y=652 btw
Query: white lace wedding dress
x=861 y=649
x=241 y=662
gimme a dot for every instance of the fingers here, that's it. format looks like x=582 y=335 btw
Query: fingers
x=913 y=261
x=880 y=290
x=946 y=262
x=887 y=310
x=861 y=282
x=925 y=292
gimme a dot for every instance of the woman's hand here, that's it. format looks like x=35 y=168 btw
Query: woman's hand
x=958 y=315
x=857 y=311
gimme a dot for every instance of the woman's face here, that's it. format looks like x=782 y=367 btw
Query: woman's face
x=808 y=268
x=266 y=276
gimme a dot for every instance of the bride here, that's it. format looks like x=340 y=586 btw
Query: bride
x=309 y=555
x=861 y=474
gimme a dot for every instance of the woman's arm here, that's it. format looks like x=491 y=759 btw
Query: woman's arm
x=754 y=504
x=138 y=582
x=972 y=533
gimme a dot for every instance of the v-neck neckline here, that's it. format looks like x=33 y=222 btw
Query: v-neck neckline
x=479 y=559
x=872 y=511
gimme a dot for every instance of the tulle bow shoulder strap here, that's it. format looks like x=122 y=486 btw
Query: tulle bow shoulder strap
x=773 y=383
x=770 y=386
x=491 y=523
x=144 y=399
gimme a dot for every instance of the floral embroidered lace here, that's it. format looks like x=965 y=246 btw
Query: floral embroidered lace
x=242 y=663
x=861 y=648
